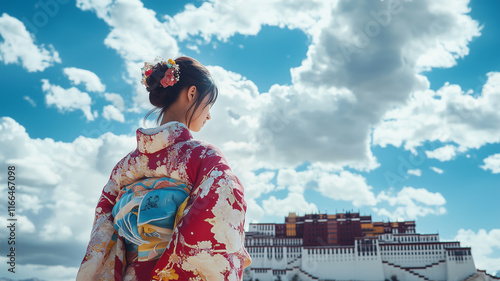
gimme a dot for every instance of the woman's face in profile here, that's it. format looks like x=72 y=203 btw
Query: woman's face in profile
x=201 y=115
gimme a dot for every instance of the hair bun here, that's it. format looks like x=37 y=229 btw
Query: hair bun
x=157 y=98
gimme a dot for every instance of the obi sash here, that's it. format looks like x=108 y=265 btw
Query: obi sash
x=145 y=214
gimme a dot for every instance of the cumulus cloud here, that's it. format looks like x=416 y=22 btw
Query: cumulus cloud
x=24 y=224
x=18 y=46
x=193 y=48
x=116 y=100
x=294 y=180
x=237 y=107
x=67 y=99
x=254 y=213
x=31 y=202
x=378 y=62
x=411 y=203
x=483 y=244
x=415 y=172
x=437 y=170
x=347 y=186
x=253 y=141
x=445 y=153
x=82 y=76
x=110 y=112
x=265 y=126
x=492 y=163
x=328 y=105
x=444 y=115
x=57 y=177
x=294 y=202
x=332 y=182
x=134 y=35
x=225 y=18
x=336 y=98
x=30 y=100
x=43 y=272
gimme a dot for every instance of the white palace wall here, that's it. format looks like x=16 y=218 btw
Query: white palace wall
x=408 y=257
x=340 y=263
x=459 y=268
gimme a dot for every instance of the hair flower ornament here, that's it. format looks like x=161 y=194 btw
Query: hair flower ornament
x=171 y=76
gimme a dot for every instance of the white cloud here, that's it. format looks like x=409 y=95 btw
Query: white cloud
x=410 y=194
x=331 y=182
x=18 y=46
x=415 y=172
x=452 y=43
x=445 y=153
x=110 y=112
x=116 y=100
x=57 y=232
x=30 y=100
x=294 y=202
x=492 y=163
x=411 y=203
x=444 y=115
x=387 y=81
x=437 y=170
x=61 y=183
x=254 y=213
x=23 y=224
x=235 y=113
x=266 y=126
x=67 y=99
x=43 y=272
x=256 y=184
x=482 y=244
x=225 y=18
x=295 y=181
x=31 y=202
x=347 y=186
x=326 y=115
x=193 y=48
x=137 y=36
x=88 y=78
x=19 y=150
x=272 y=144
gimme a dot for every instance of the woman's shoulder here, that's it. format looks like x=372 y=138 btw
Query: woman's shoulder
x=207 y=152
x=208 y=147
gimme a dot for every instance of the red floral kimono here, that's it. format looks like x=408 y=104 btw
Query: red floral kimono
x=207 y=242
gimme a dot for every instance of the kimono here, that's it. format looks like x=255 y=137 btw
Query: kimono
x=206 y=241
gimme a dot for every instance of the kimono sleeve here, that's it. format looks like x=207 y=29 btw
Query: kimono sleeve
x=105 y=255
x=208 y=242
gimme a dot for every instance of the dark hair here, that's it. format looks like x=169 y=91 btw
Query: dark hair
x=192 y=73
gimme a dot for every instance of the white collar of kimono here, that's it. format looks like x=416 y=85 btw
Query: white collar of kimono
x=154 y=139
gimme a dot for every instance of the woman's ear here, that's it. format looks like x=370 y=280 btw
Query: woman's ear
x=192 y=93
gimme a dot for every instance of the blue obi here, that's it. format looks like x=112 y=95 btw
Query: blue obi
x=145 y=214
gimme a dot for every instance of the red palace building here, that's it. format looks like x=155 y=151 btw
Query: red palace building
x=338 y=229
x=349 y=246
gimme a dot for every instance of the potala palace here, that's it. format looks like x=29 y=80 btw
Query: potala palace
x=348 y=246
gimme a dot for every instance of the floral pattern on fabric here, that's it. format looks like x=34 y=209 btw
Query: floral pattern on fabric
x=207 y=242
x=217 y=252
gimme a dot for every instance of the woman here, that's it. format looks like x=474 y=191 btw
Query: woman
x=172 y=209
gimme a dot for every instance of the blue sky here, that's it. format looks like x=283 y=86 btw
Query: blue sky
x=403 y=125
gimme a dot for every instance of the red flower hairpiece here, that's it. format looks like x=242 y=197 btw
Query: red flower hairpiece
x=172 y=75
